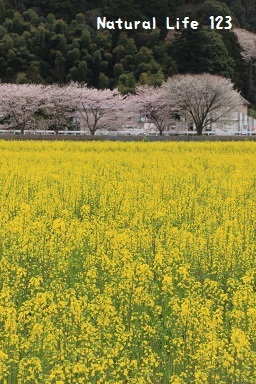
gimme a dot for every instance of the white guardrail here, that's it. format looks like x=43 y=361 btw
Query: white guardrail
x=41 y=132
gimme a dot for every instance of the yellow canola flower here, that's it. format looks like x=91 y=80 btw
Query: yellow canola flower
x=127 y=262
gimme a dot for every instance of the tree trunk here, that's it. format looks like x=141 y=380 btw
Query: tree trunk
x=199 y=130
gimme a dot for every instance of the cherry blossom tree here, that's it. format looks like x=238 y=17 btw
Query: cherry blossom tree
x=59 y=106
x=247 y=42
x=153 y=104
x=98 y=107
x=19 y=104
x=204 y=98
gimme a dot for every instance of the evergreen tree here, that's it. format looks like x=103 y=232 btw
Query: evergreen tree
x=103 y=81
x=202 y=51
x=59 y=67
x=2 y=11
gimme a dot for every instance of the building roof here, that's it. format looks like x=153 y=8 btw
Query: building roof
x=245 y=102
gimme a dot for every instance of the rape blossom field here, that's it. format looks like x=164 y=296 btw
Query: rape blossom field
x=127 y=263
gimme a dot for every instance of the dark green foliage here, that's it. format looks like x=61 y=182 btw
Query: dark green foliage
x=2 y=11
x=79 y=73
x=202 y=51
x=211 y=8
x=21 y=78
x=103 y=81
x=126 y=83
x=59 y=67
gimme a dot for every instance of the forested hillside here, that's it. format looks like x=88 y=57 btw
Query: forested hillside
x=48 y=41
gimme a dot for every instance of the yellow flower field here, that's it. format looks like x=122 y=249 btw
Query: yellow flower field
x=127 y=263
